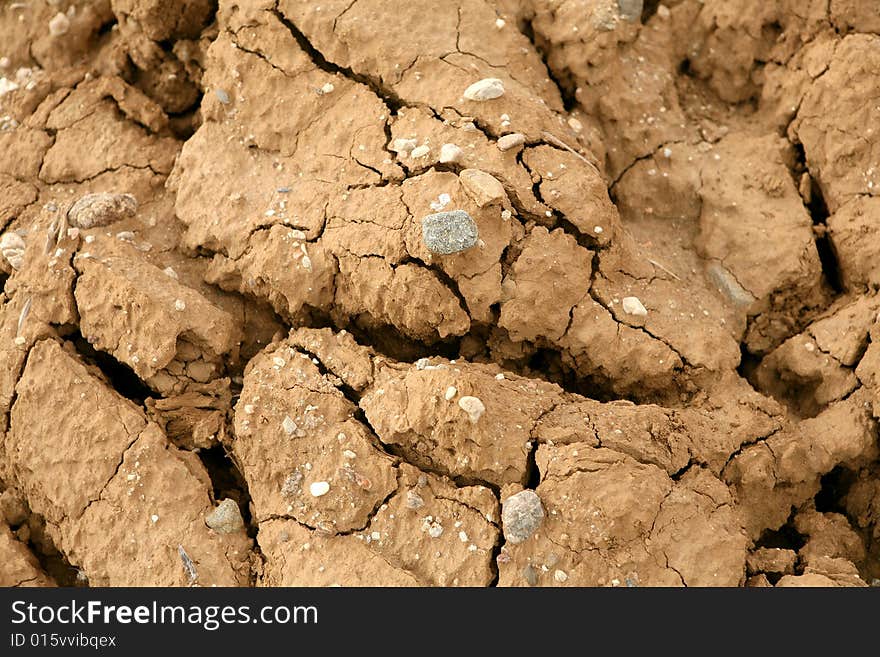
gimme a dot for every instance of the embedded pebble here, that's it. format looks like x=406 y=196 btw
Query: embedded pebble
x=288 y=425
x=521 y=515
x=560 y=576
x=728 y=285
x=94 y=210
x=420 y=151
x=631 y=10
x=319 y=488
x=179 y=305
x=632 y=306
x=222 y=96
x=482 y=187
x=12 y=248
x=450 y=393
x=473 y=407
x=7 y=86
x=405 y=146
x=414 y=500
x=450 y=154
x=451 y=232
x=59 y=25
x=485 y=89
x=511 y=141
x=226 y=518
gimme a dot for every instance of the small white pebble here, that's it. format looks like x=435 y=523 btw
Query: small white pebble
x=450 y=393
x=420 y=151
x=154 y=518
x=179 y=305
x=560 y=576
x=288 y=425
x=319 y=488
x=473 y=407
x=59 y=25
x=667 y=152
x=404 y=146
x=463 y=537
x=500 y=23
x=511 y=141
x=485 y=89
x=375 y=536
x=575 y=125
x=598 y=230
x=632 y=306
x=327 y=88
x=450 y=154
x=499 y=376
x=349 y=454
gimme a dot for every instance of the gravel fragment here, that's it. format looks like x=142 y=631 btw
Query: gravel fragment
x=222 y=96
x=94 y=210
x=59 y=24
x=12 y=248
x=485 y=89
x=473 y=406
x=482 y=187
x=319 y=488
x=404 y=146
x=188 y=565
x=632 y=306
x=420 y=151
x=631 y=10
x=414 y=500
x=521 y=515
x=226 y=518
x=450 y=154
x=511 y=141
x=451 y=232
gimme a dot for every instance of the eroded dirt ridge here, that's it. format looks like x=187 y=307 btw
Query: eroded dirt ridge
x=634 y=343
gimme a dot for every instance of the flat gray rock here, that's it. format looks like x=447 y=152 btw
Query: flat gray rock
x=446 y=233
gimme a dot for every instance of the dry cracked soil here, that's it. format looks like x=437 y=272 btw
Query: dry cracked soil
x=636 y=345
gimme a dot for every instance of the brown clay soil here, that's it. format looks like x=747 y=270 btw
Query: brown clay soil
x=240 y=364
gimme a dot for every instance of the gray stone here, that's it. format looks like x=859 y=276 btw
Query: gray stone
x=226 y=518
x=446 y=233
x=631 y=10
x=521 y=515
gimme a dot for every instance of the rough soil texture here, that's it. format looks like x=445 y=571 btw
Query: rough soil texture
x=231 y=353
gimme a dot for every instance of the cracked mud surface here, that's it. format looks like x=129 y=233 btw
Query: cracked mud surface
x=241 y=364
